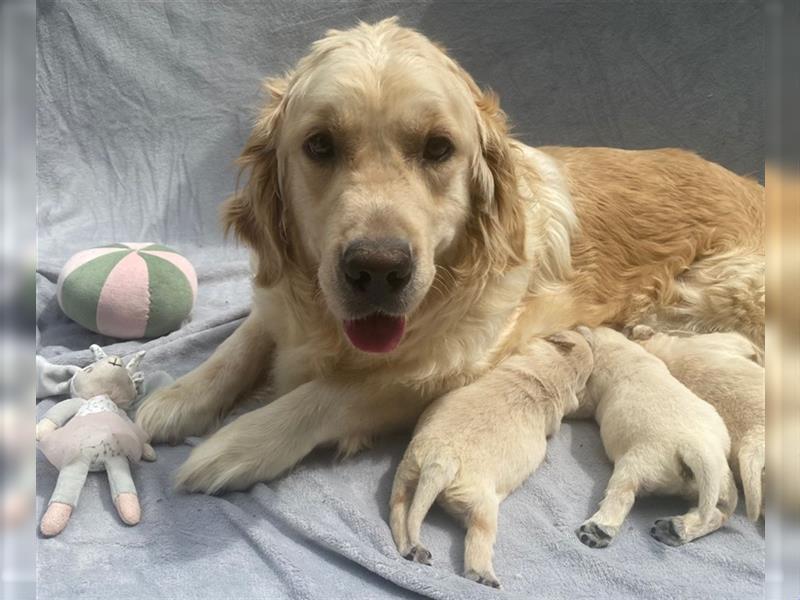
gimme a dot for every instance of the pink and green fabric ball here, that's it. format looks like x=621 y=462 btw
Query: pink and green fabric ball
x=128 y=291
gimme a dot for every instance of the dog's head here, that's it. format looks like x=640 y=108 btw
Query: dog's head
x=377 y=161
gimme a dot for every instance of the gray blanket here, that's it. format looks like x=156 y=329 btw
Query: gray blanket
x=142 y=107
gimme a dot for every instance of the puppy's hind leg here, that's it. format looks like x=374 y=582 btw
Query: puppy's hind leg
x=718 y=499
x=676 y=531
x=479 y=543
x=433 y=478
x=402 y=492
x=603 y=526
x=751 y=468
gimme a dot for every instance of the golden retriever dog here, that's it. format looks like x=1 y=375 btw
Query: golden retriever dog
x=404 y=244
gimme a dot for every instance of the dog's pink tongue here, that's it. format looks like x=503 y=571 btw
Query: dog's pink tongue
x=375 y=333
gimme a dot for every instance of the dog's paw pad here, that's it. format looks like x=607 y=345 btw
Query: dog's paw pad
x=419 y=554
x=667 y=532
x=594 y=536
x=487 y=579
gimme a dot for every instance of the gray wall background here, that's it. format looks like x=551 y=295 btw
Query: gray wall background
x=142 y=106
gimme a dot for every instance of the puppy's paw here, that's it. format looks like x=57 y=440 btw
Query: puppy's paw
x=486 y=578
x=172 y=414
x=668 y=531
x=418 y=554
x=639 y=332
x=594 y=535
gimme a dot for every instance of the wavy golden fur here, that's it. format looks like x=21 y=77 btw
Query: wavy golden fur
x=511 y=243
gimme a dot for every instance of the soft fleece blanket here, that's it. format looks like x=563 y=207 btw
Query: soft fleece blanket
x=142 y=106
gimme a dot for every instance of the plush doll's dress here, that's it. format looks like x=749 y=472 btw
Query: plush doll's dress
x=99 y=430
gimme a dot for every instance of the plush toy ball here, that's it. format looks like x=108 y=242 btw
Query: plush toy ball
x=128 y=290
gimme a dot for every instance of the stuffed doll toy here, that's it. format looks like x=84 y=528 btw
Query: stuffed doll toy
x=90 y=431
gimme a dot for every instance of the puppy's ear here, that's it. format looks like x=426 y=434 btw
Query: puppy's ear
x=755 y=353
x=560 y=341
x=587 y=334
x=257 y=212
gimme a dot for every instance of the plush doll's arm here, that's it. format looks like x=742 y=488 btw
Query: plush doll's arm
x=57 y=416
x=149 y=453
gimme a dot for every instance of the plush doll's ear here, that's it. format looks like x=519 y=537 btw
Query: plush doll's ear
x=257 y=213
x=134 y=362
x=138 y=381
x=99 y=353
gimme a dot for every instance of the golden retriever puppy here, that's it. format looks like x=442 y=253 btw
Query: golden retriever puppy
x=722 y=369
x=404 y=244
x=474 y=446
x=662 y=439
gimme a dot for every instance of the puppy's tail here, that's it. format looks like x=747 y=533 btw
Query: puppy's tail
x=751 y=467
x=433 y=479
x=711 y=470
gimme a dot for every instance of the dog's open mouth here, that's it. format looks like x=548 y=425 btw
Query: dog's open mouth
x=377 y=332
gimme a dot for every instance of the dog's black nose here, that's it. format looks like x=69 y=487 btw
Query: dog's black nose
x=377 y=270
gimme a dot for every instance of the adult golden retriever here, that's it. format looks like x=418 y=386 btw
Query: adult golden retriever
x=403 y=244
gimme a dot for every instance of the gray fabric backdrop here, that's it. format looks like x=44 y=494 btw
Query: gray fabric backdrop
x=142 y=107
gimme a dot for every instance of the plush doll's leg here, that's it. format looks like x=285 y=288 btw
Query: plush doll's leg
x=123 y=492
x=65 y=497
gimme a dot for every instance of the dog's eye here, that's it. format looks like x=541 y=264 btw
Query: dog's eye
x=437 y=148
x=319 y=146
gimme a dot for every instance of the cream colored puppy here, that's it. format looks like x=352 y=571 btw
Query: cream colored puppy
x=662 y=439
x=475 y=445
x=723 y=369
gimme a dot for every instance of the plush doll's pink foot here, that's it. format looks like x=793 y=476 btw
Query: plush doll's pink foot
x=128 y=508
x=55 y=519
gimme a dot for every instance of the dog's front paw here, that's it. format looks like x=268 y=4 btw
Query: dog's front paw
x=668 y=531
x=258 y=446
x=594 y=535
x=486 y=578
x=219 y=464
x=172 y=414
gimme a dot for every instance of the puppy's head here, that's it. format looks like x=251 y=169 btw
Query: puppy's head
x=576 y=349
x=377 y=161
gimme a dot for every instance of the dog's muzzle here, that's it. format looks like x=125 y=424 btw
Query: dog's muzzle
x=376 y=274
x=374 y=280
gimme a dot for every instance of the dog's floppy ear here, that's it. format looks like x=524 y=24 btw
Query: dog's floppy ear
x=501 y=214
x=257 y=212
